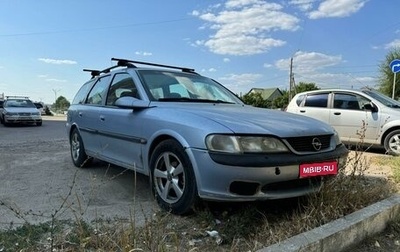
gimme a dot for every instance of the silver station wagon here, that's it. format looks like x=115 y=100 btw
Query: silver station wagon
x=195 y=139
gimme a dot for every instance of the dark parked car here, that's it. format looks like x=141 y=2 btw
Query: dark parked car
x=196 y=139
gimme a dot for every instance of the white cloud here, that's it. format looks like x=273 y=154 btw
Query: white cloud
x=337 y=8
x=144 y=53
x=303 y=5
x=55 y=80
x=394 y=44
x=226 y=60
x=239 y=82
x=245 y=27
x=308 y=62
x=57 y=61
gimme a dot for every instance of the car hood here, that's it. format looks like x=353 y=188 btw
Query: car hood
x=243 y=119
x=21 y=110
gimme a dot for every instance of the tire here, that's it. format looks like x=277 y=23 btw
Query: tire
x=78 y=154
x=39 y=124
x=392 y=143
x=173 y=179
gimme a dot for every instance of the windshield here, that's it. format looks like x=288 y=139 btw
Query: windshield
x=19 y=104
x=185 y=87
x=385 y=100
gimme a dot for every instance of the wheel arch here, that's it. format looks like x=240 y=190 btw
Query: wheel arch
x=387 y=132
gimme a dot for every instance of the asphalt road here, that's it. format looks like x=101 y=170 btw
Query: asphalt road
x=38 y=181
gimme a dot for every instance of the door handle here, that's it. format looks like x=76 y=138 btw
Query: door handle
x=80 y=114
x=337 y=113
x=102 y=118
x=302 y=111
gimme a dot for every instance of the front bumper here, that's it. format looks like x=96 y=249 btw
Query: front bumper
x=22 y=119
x=250 y=180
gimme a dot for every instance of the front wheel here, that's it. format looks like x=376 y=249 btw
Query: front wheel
x=78 y=154
x=173 y=179
x=392 y=143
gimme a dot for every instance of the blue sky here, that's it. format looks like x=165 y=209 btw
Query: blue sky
x=244 y=44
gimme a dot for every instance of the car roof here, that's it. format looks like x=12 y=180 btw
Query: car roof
x=333 y=90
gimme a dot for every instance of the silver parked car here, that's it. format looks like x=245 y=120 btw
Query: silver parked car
x=359 y=116
x=18 y=110
x=196 y=139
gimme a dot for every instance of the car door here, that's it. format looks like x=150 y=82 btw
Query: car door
x=87 y=116
x=315 y=105
x=120 y=128
x=351 y=120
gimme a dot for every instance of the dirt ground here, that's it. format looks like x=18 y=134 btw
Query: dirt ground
x=389 y=240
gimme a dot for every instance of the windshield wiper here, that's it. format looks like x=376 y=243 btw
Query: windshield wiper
x=185 y=99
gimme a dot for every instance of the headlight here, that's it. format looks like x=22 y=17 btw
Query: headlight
x=36 y=113
x=337 y=138
x=244 y=144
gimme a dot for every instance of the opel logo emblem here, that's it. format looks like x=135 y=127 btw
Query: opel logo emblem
x=316 y=143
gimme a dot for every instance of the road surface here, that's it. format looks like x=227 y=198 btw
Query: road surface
x=38 y=181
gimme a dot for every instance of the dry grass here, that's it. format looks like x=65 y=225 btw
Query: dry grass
x=215 y=226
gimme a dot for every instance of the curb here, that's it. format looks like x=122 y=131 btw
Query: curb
x=345 y=232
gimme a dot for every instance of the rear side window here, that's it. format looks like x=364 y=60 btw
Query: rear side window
x=99 y=91
x=82 y=93
x=317 y=100
x=300 y=99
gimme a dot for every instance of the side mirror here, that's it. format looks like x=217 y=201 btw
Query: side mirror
x=370 y=106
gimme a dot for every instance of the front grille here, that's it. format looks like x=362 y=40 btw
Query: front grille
x=24 y=114
x=305 y=144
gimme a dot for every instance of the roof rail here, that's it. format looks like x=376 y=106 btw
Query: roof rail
x=124 y=62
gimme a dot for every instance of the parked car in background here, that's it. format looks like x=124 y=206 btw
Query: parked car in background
x=359 y=116
x=40 y=107
x=18 y=110
x=196 y=139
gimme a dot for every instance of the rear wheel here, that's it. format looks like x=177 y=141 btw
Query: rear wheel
x=39 y=124
x=78 y=154
x=173 y=178
x=392 y=143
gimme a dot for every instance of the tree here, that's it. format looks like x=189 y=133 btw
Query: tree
x=61 y=104
x=256 y=100
x=386 y=76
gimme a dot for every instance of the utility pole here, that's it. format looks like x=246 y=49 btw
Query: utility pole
x=55 y=97
x=290 y=79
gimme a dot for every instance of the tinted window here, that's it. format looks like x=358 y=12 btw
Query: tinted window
x=349 y=101
x=99 y=90
x=317 y=100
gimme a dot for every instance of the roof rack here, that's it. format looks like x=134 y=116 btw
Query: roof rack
x=95 y=72
x=128 y=63
x=124 y=62
x=17 y=96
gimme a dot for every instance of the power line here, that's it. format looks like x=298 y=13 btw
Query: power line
x=94 y=28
